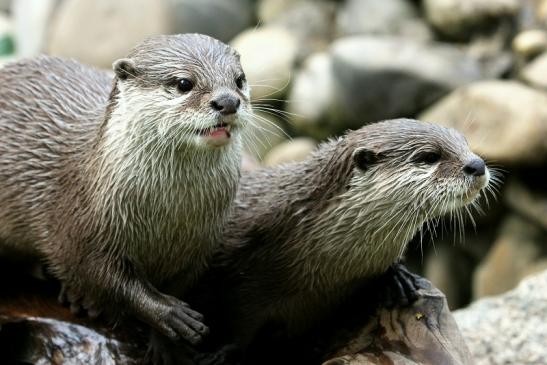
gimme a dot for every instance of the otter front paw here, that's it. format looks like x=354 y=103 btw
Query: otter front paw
x=162 y=351
x=79 y=305
x=176 y=320
x=401 y=286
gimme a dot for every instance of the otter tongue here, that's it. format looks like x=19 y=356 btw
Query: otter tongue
x=219 y=132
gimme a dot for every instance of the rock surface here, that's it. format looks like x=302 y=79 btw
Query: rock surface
x=376 y=77
x=509 y=329
x=458 y=18
x=311 y=22
x=422 y=333
x=514 y=254
x=312 y=97
x=297 y=149
x=504 y=121
x=123 y=24
x=5 y=5
x=395 y=17
x=267 y=56
x=529 y=203
x=221 y=19
x=530 y=43
x=535 y=73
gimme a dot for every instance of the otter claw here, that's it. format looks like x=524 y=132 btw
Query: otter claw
x=402 y=286
x=179 y=321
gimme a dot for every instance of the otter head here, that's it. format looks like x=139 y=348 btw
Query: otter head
x=186 y=89
x=420 y=170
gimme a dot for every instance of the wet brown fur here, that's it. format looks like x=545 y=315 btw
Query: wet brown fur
x=303 y=234
x=111 y=195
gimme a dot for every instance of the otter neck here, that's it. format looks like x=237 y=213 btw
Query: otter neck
x=376 y=226
x=154 y=190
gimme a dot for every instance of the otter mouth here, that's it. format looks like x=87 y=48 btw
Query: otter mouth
x=217 y=135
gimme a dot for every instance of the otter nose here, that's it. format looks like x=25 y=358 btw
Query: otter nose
x=226 y=104
x=474 y=167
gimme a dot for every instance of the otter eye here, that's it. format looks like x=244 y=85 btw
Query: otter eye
x=240 y=81
x=185 y=85
x=364 y=158
x=428 y=157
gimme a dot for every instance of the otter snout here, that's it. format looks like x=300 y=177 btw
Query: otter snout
x=475 y=167
x=226 y=104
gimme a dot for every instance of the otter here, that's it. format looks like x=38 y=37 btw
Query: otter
x=121 y=184
x=303 y=236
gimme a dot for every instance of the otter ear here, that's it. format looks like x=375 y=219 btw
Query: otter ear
x=363 y=158
x=125 y=68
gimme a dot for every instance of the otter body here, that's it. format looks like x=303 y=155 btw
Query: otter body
x=304 y=235
x=122 y=186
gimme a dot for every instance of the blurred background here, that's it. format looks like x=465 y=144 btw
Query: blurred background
x=318 y=68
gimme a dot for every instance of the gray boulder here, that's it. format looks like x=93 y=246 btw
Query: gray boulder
x=268 y=55
x=386 y=77
x=504 y=121
x=459 y=18
x=221 y=19
x=395 y=17
x=5 y=5
x=98 y=32
x=514 y=254
x=530 y=43
x=311 y=99
x=312 y=22
x=508 y=329
x=535 y=73
x=297 y=149
x=530 y=203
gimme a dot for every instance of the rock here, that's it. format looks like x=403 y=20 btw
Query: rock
x=221 y=19
x=297 y=149
x=270 y=10
x=519 y=246
x=5 y=5
x=503 y=121
x=89 y=31
x=490 y=50
x=508 y=329
x=394 y=17
x=37 y=340
x=459 y=18
x=379 y=77
x=535 y=73
x=528 y=203
x=530 y=43
x=312 y=22
x=263 y=133
x=312 y=96
x=268 y=55
x=32 y=19
x=450 y=269
x=422 y=333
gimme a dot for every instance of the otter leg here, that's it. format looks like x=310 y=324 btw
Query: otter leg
x=117 y=287
x=401 y=286
x=168 y=315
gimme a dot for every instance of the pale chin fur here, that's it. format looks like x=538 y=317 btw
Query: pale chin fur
x=469 y=193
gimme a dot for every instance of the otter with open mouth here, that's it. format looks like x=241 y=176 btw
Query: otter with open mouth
x=122 y=186
x=303 y=236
